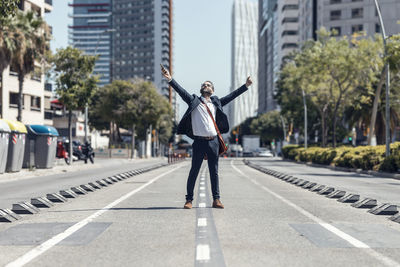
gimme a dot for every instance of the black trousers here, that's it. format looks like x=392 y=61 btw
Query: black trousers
x=201 y=147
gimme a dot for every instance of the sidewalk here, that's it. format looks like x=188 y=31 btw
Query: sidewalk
x=62 y=167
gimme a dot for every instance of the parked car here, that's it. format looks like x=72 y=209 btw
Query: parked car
x=266 y=153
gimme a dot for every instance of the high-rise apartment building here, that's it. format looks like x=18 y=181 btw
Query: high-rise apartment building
x=278 y=37
x=347 y=17
x=92 y=32
x=132 y=37
x=244 y=59
x=36 y=92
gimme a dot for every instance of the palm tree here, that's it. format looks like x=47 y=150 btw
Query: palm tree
x=29 y=45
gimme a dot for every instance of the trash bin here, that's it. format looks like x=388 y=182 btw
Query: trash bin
x=4 y=135
x=16 y=146
x=41 y=147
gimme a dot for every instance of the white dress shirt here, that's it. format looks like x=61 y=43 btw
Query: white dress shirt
x=202 y=124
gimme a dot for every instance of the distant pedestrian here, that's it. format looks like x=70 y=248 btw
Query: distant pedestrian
x=198 y=125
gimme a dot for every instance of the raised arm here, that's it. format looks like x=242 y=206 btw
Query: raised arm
x=179 y=89
x=228 y=98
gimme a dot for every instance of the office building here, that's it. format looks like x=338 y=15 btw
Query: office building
x=36 y=92
x=244 y=59
x=347 y=17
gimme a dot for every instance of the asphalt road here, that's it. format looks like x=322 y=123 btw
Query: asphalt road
x=140 y=222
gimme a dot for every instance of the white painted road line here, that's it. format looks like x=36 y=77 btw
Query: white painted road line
x=353 y=241
x=202 y=195
x=202 y=205
x=202 y=183
x=203 y=252
x=35 y=252
x=202 y=222
x=202 y=188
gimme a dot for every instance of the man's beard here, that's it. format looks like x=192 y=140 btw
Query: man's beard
x=205 y=92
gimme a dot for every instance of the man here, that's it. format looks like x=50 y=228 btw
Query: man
x=198 y=125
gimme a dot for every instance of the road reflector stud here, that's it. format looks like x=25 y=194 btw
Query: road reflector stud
x=350 y=198
x=309 y=185
x=336 y=194
x=41 y=202
x=395 y=218
x=68 y=193
x=78 y=190
x=56 y=198
x=317 y=188
x=101 y=183
x=326 y=191
x=95 y=186
x=87 y=188
x=24 y=208
x=301 y=183
x=367 y=203
x=385 y=209
x=7 y=215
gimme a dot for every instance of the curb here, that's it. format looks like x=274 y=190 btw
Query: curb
x=63 y=196
x=333 y=193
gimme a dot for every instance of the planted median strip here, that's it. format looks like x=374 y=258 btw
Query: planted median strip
x=330 y=192
x=51 y=199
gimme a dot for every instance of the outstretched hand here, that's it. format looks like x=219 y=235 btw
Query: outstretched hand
x=249 y=81
x=166 y=73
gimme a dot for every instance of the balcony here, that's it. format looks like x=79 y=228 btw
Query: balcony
x=48 y=7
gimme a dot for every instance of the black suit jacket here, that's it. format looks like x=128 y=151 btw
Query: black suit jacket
x=185 y=125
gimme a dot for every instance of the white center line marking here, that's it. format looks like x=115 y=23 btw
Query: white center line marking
x=203 y=252
x=202 y=183
x=202 y=195
x=202 y=205
x=202 y=222
x=42 y=248
x=202 y=188
x=355 y=242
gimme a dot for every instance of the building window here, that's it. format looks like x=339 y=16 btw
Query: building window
x=357 y=28
x=336 y=14
x=332 y=2
x=287 y=20
x=35 y=103
x=285 y=33
x=290 y=7
x=336 y=31
x=377 y=28
x=289 y=45
x=37 y=75
x=14 y=100
x=357 y=13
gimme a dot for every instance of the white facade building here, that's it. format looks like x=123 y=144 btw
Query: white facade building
x=244 y=59
x=36 y=92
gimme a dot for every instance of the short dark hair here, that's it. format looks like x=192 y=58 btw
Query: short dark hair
x=212 y=85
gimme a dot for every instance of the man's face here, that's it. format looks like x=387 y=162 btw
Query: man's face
x=206 y=88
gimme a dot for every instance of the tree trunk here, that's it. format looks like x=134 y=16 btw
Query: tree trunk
x=110 y=136
x=375 y=106
x=323 y=125
x=118 y=134
x=71 y=152
x=133 y=141
x=20 y=95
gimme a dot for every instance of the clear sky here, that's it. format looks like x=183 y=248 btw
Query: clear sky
x=202 y=41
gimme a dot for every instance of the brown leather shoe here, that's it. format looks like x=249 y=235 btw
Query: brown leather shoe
x=188 y=205
x=217 y=204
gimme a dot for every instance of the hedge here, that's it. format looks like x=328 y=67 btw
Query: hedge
x=362 y=157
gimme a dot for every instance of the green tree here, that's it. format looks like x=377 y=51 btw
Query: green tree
x=268 y=126
x=8 y=8
x=75 y=83
x=28 y=42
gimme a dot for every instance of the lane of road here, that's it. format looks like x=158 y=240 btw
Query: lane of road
x=266 y=222
x=23 y=190
x=385 y=190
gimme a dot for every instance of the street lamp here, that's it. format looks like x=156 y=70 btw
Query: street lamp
x=305 y=119
x=387 y=107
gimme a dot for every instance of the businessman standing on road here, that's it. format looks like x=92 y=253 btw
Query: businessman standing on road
x=198 y=125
